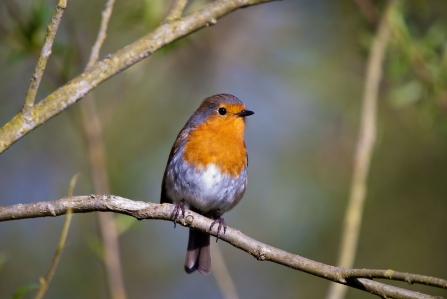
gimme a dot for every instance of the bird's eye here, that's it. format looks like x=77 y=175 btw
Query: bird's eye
x=222 y=111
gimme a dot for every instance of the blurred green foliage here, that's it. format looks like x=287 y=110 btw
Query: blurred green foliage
x=25 y=289
x=418 y=60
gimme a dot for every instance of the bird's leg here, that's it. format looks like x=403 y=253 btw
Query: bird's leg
x=222 y=223
x=180 y=206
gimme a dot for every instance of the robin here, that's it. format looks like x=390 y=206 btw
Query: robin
x=207 y=171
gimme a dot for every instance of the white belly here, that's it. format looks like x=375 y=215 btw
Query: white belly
x=206 y=189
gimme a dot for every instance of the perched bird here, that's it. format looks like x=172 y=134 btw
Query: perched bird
x=207 y=170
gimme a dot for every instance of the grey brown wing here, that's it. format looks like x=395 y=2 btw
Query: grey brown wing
x=164 y=198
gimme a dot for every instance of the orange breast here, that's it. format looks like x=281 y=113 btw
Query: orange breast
x=220 y=142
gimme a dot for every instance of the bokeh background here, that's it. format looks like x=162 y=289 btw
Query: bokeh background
x=300 y=66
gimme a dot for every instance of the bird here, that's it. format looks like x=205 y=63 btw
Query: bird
x=207 y=171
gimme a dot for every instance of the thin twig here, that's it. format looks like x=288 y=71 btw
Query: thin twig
x=102 y=34
x=222 y=275
x=43 y=58
x=176 y=10
x=45 y=282
x=363 y=154
x=78 y=87
x=262 y=252
x=72 y=184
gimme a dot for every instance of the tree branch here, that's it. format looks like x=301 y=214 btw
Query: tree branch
x=77 y=88
x=356 y=278
x=43 y=58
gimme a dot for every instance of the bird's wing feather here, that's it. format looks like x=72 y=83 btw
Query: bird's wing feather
x=181 y=138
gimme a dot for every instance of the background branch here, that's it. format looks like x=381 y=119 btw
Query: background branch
x=78 y=87
x=262 y=252
x=362 y=159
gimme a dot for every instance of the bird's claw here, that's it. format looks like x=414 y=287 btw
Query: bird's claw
x=180 y=206
x=221 y=224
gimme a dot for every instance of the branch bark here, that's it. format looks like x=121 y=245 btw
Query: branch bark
x=113 y=64
x=356 y=278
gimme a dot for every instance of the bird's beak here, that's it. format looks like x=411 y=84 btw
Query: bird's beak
x=244 y=113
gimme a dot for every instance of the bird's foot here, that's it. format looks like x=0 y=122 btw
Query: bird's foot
x=180 y=206
x=222 y=223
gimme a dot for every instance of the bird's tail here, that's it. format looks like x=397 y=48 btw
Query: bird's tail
x=198 y=256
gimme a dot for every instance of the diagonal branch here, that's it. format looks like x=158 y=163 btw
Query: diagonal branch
x=43 y=58
x=113 y=64
x=356 y=278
